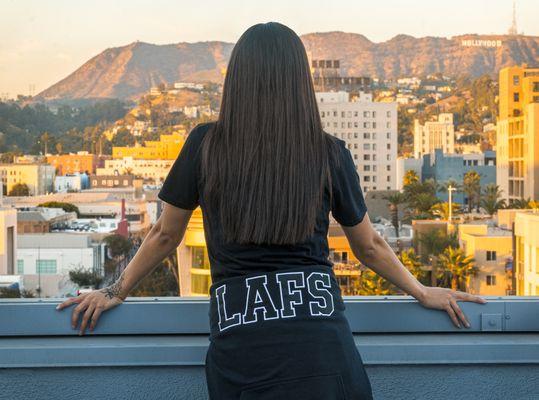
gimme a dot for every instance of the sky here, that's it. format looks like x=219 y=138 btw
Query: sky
x=45 y=40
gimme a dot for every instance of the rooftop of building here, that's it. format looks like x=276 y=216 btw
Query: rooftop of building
x=154 y=348
x=53 y=240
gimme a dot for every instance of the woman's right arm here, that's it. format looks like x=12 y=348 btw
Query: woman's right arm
x=373 y=251
x=162 y=239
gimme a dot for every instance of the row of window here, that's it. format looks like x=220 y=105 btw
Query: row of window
x=370 y=157
x=366 y=188
x=366 y=135
x=349 y=114
x=368 y=178
x=42 y=267
x=366 y=125
x=373 y=168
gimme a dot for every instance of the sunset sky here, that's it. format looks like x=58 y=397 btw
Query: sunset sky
x=43 y=41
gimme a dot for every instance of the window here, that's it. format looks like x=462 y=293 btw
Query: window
x=388 y=135
x=367 y=178
x=491 y=255
x=388 y=114
x=516 y=80
x=389 y=146
x=366 y=157
x=366 y=146
x=355 y=146
x=388 y=125
x=366 y=168
x=366 y=135
x=366 y=114
x=374 y=114
x=516 y=97
x=536 y=86
x=199 y=257
x=491 y=280
x=46 y=267
x=388 y=167
x=366 y=124
x=20 y=267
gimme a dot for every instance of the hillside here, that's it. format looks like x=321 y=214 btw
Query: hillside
x=129 y=71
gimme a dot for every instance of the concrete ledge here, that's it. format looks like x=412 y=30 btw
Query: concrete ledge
x=190 y=350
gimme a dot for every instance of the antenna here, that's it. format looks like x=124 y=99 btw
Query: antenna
x=513 y=29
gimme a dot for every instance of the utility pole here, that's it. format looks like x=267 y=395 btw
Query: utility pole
x=450 y=190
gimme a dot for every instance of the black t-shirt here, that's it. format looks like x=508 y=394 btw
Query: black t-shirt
x=181 y=189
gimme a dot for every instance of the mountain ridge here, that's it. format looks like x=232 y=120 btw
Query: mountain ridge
x=126 y=72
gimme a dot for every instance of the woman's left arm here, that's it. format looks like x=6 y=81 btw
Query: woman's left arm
x=373 y=251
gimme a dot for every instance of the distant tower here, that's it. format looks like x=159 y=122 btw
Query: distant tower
x=513 y=29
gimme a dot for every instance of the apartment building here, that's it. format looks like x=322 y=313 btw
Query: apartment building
x=439 y=134
x=370 y=131
x=517 y=131
x=166 y=148
x=492 y=249
x=150 y=170
x=38 y=177
x=73 y=163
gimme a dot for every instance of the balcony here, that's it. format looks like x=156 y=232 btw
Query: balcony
x=154 y=348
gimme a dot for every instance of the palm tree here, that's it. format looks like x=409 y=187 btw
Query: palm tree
x=395 y=200
x=442 y=209
x=471 y=185
x=373 y=284
x=520 y=203
x=410 y=177
x=411 y=261
x=45 y=138
x=457 y=266
x=492 y=200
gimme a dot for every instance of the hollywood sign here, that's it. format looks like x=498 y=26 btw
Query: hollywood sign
x=481 y=43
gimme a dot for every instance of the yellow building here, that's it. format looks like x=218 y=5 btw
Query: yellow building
x=517 y=144
x=38 y=177
x=527 y=253
x=166 y=148
x=492 y=249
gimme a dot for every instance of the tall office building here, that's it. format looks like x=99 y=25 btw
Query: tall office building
x=517 y=130
x=434 y=135
x=370 y=132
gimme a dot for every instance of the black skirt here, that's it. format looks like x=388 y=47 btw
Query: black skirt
x=283 y=335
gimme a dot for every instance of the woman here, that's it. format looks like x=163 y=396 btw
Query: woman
x=266 y=177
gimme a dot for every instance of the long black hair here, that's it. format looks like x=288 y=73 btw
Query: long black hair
x=265 y=161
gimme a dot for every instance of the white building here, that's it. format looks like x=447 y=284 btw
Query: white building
x=153 y=170
x=44 y=260
x=69 y=183
x=433 y=135
x=8 y=238
x=370 y=132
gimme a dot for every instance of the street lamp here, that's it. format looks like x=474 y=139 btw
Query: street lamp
x=450 y=190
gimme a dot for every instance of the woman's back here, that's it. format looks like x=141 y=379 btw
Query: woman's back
x=182 y=188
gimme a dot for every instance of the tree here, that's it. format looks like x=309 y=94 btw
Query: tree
x=118 y=245
x=395 y=200
x=410 y=177
x=85 y=277
x=412 y=262
x=162 y=281
x=456 y=266
x=520 y=203
x=19 y=189
x=45 y=139
x=471 y=186
x=442 y=210
x=491 y=200
x=67 y=207
x=373 y=284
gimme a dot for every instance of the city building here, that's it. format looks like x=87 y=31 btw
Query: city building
x=433 y=135
x=8 y=238
x=492 y=249
x=42 y=219
x=517 y=130
x=452 y=167
x=370 y=131
x=166 y=148
x=38 y=177
x=71 y=182
x=45 y=260
x=115 y=181
x=328 y=76
x=150 y=170
x=526 y=254
x=73 y=163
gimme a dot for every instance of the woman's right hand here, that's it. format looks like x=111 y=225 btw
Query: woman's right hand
x=92 y=304
x=446 y=299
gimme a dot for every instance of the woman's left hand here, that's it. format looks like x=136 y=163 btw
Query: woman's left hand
x=446 y=299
